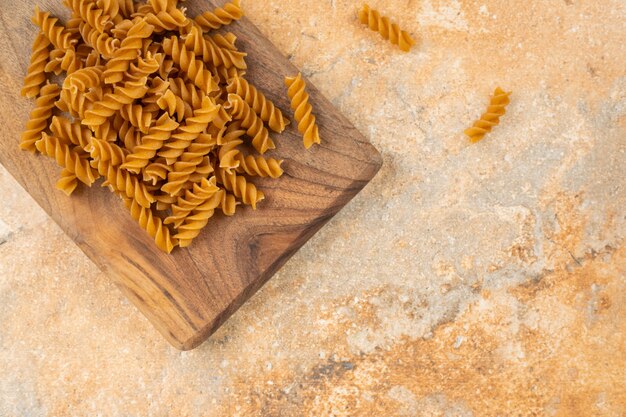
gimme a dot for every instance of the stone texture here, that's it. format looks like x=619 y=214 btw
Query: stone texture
x=466 y=280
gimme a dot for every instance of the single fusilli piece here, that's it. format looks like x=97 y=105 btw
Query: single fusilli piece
x=240 y=110
x=35 y=76
x=122 y=95
x=39 y=116
x=56 y=33
x=84 y=79
x=66 y=158
x=491 y=118
x=144 y=67
x=220 y=16
x=174 y=105
x=103 y=151
x=127 y=52
x=137 y=116
x=160 y=132
x=63 y=61
x=228 y=154
x=101 y=42
x=388 y=30
x=67 y=182
x=303 y=111
x=240 y=187
x=194 y=68
x=156 y=171
x=90 y=13
x=259 y=166
x=72 y=132
x=212 y=53
x=263 y=107
x=152 y=224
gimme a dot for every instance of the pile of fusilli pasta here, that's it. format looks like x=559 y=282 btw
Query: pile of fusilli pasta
x=156 y=104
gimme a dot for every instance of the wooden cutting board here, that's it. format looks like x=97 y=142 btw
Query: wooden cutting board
x=187 y=295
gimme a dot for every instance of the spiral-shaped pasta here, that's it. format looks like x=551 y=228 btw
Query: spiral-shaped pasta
x=160 y=132
x=387 y=29
x=259 y=166
x=127 y=8
x=63 y=61
x=226 y=41
x=303 y=111
x=228 y=155
x=263 y=107
x=144 y=67
x=35 y=76
x=74 y=104
x=123 y=181
x=103 y=151
x=39 y=116
x=84 y=79
x=163 y=15
x=164 y=201
x=183 y=171
x=187 y=91
x=229 y=204
x=56 y=33
x=129 y=135
x=66 y=158
x=156 y=171
x=220 y=16
x=187 y=133
x=174 y=105
x=194 y=68
x=122 y=95
x=110 y=8
x=152 y=224
x=70 y=132
x=198 y=219
x=240 y=187
x=137 y=116
x=157 y=88
x=67 y=182
x=212 y=53
x=196 y=196
x=491 y=118
x=127 y=52
x=93 y=58
x=240 y=110
x=90 y=13
x=101 y=42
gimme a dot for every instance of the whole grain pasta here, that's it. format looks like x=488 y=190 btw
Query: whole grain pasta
x=155 y=108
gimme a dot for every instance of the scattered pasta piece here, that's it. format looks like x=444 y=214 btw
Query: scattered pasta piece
x=387 y=29
x=491 y=118
x=155 y=108
x=302 y=110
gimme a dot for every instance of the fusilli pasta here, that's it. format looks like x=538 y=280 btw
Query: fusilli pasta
x=303 y=111
x=35 y=76
x=491 y=118
x=387 y=29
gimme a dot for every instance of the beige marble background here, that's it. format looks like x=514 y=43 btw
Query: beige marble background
x=466 y=280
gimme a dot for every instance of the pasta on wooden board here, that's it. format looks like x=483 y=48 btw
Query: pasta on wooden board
x=303 y=111
x=35 y=76
x=156 y=106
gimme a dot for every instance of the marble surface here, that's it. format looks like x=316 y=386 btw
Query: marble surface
x=466 y=280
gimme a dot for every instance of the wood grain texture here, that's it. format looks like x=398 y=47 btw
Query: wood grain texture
x=187 y=295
